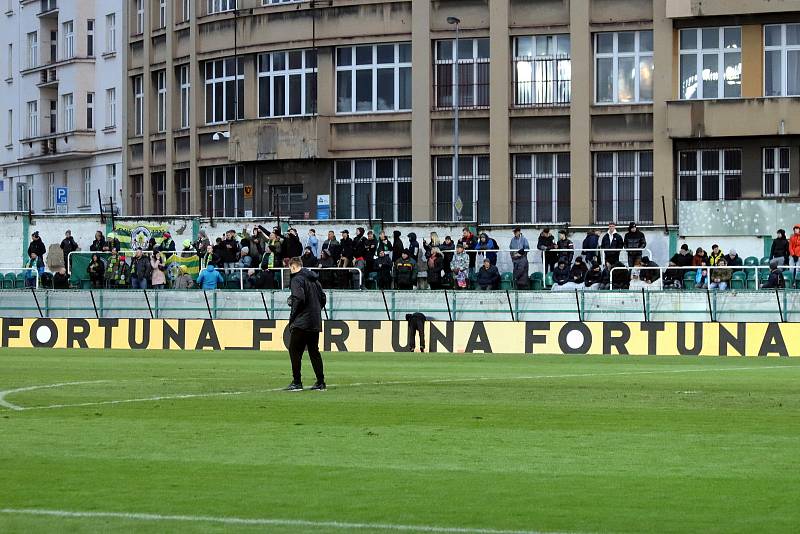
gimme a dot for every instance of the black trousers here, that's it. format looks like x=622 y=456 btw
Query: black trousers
x=299 y=341
x=416 y=324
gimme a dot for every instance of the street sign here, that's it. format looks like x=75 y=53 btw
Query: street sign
x=323 y=207
x=61 y=195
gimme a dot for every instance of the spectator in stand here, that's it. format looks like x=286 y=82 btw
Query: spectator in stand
x=183 y=280
x=720 y=275
x=209 y=278
x=244 y=262
x=141 y=270
x=634 y=238
x=561 y=274
x=36 y=245
x=68 y=246
x=673 y=278
x=621 y=277
x=605 y=276
x=230 y=251
x=794 y=248
x=448 y=249
x=96 y=271
x=275 y=246
x=405 y=271
x=201 y=243
x=331 y=246
x=113 y=243
x=701 y=278
x=546 y=243
x=309 y=260
x=682 y=258
x=413 y=246
x=460 y=267
x=651 y=274
x=715 y=256
x=259 y=279
x=486 y=243
x=435 y=269
x=167 y=245
x=589 y=246
x=594 y=278
x=434 y=242
x=158 y=277
x=384 y=244
x=519 y=258
x=780 y=248
x=292 y=244
x=488 y=277
x=775 y=280
x=469 y=241
x=188 y=249
x=383 y=266
x=60 y=279
x=99 y=242
x=312 y=242
x=346 y=258
x=733 y=260
x=370 y=250
x=397 y=246
x=700 y=257
x=612 y=242
x=111 y=270
x=577 y=274
x=209 y=257
x=326 y=262
x=565 y=246
x=36 y=265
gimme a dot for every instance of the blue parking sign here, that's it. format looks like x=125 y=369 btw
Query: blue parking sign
x=61 y=195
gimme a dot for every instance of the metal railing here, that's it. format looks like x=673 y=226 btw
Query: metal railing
x=710 y=268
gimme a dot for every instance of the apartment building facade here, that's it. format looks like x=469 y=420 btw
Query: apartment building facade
x=569 y=112
x=61 y=103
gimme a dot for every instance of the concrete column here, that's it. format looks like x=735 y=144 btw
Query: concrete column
x=196 y=117
x=663 y=161
x=147 y=87
x=581 y=208
x=173 y=92
x=500 y=72
x=421 y=60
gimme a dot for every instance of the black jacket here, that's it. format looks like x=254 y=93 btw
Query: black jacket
x=681 y=260
x=347 y=248
x=775 y=280
x=38 y=247
x=397 y=246
x=97 y=245
x=561 y=275
x=489 y=278
x=593 y=277
x=635 y=239
x=230 y=250
x=292 y=247
x=780 y=248
x=650 y=275
x=68 y=245
x=307 y=301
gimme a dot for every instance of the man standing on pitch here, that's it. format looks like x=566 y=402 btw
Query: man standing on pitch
x=305 y=323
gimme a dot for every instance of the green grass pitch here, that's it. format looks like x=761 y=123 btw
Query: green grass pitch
x=399 y=443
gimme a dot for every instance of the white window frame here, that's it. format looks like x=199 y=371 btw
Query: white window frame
x=373 y=182
x=90 y=44
x=10 y=125
x=615 y=56
x=87 y=186
x=111 y=107
x=476 y=88
x=699 y=53
x=773 y=174
x=466 y=174
x=111 y=33
x=68 y=105
x=276 y=2
x=90 y=116
x=138 y=105
x=699 y=173
x=267 y=74
x=111 y=180
x=161 y=101
x=162 y=14
x=373 y=67
x=139 y=26
x=69 y=39
x=784 y=50
x=33 y=119
x=554 y=176
x=542 y=79
x=185 y=95
x=220 y=6
x=33 y=50
x=22 y=193
x=10 y=71
x=615 y=175
x=186 y=15
x=51 y=190
x=226 y=77
x=209 y=190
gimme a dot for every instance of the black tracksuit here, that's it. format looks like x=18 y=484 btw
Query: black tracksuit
x=416 y=323
x=305 y=322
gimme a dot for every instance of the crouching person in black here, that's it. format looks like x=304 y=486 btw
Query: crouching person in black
x=305 y=323
x=416 y=323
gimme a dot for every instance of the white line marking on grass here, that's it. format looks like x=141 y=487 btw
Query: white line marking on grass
x=5 y=404
x=263 y=522
x=362 y=384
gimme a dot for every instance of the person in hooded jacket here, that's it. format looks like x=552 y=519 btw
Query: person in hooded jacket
x=634 y=238
x=370 y=250
x=546 y=243
x=397 y=246
x=794 y=247
x=577 y=274
x=405 y=271
x=469 y=241
x=621 y=278
x=435 y=269
x=305 y=323
x=413 y=246
x=96 y=271
x=210 y=278
x=775 y=280
x=561 y=274
x=594 y=277
x=565 y=244
x=292 y=244
x=780 y=248
x=589 y=247
x=308 y=259
x=383 y=266
x=487 y=243
x=113 y=243
x=683 y=257
x=326 y=277
x=700 y=257
x=448 y=248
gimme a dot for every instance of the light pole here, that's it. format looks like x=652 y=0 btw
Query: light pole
x=456 y=198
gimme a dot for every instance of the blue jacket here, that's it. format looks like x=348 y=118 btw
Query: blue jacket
x=519 y=243
x=209 y=278
x=490 y=244
x=313 y=242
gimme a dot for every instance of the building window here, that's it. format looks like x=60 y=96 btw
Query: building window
x=137 y=194
x=183 y=188
x=33 y=119
x=111 y=107
x=90 y=111
x=186 y=10
x=139 y=26
x=711 y=63
x=161 y=100
x=542 y=70
x=69 y=39
x=10 y=128
x=33 y=50
x=473 y=73
x=224 y=191
x=224 y=91
x=373 y=189
x=53 y=116
x=623 y=184
x=710 y=174
x=542 y=188
x=776 y=171
x=87 y=186
x=624 y=67
x=273 y=2
x=162 y=13
x=22 y=194
x=111 y=181
x=68 y=102
x=782 y=60
x=111 y=33
x=287 y=83
x=185 y=85
x=473 y=188
x=10 y=62
x=138 y=105
x=219 y=6
x=50 y=201
x=373 y=78
x=90 y=38
x=158 y=183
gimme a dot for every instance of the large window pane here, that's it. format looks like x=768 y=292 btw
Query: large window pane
x=733 y=75
x=626 y=80
x=646 y=79
x=363 y=90
x=793 y=73
x=522 y=194
x=344 y=91
x=605 y=80
x=385 y=89
x=710 y=75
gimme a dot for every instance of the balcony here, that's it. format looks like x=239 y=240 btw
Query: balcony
x=49 y=9
x=49 y=79
x=61 y=146
x=279 y=139
x=739 y=117
x=677 y=9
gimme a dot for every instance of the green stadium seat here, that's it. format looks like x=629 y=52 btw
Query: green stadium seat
x=9 y=281
x=788 y=277
x=739 y=280
x=473 y=280
x=548 y=280
x=20 y=281
x=751 y=261
x=537 y=281
x=371 y=281
x=751 y=279
x=689 y=279
x=764 y=261
x=506 y=281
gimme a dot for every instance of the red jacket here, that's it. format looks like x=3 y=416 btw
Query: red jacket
x=794 y=243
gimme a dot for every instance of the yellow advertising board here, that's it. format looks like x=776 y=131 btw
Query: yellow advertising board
x=533 y=337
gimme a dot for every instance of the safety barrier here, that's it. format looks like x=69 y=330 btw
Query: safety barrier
x=748 y=282
x=691 y=305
